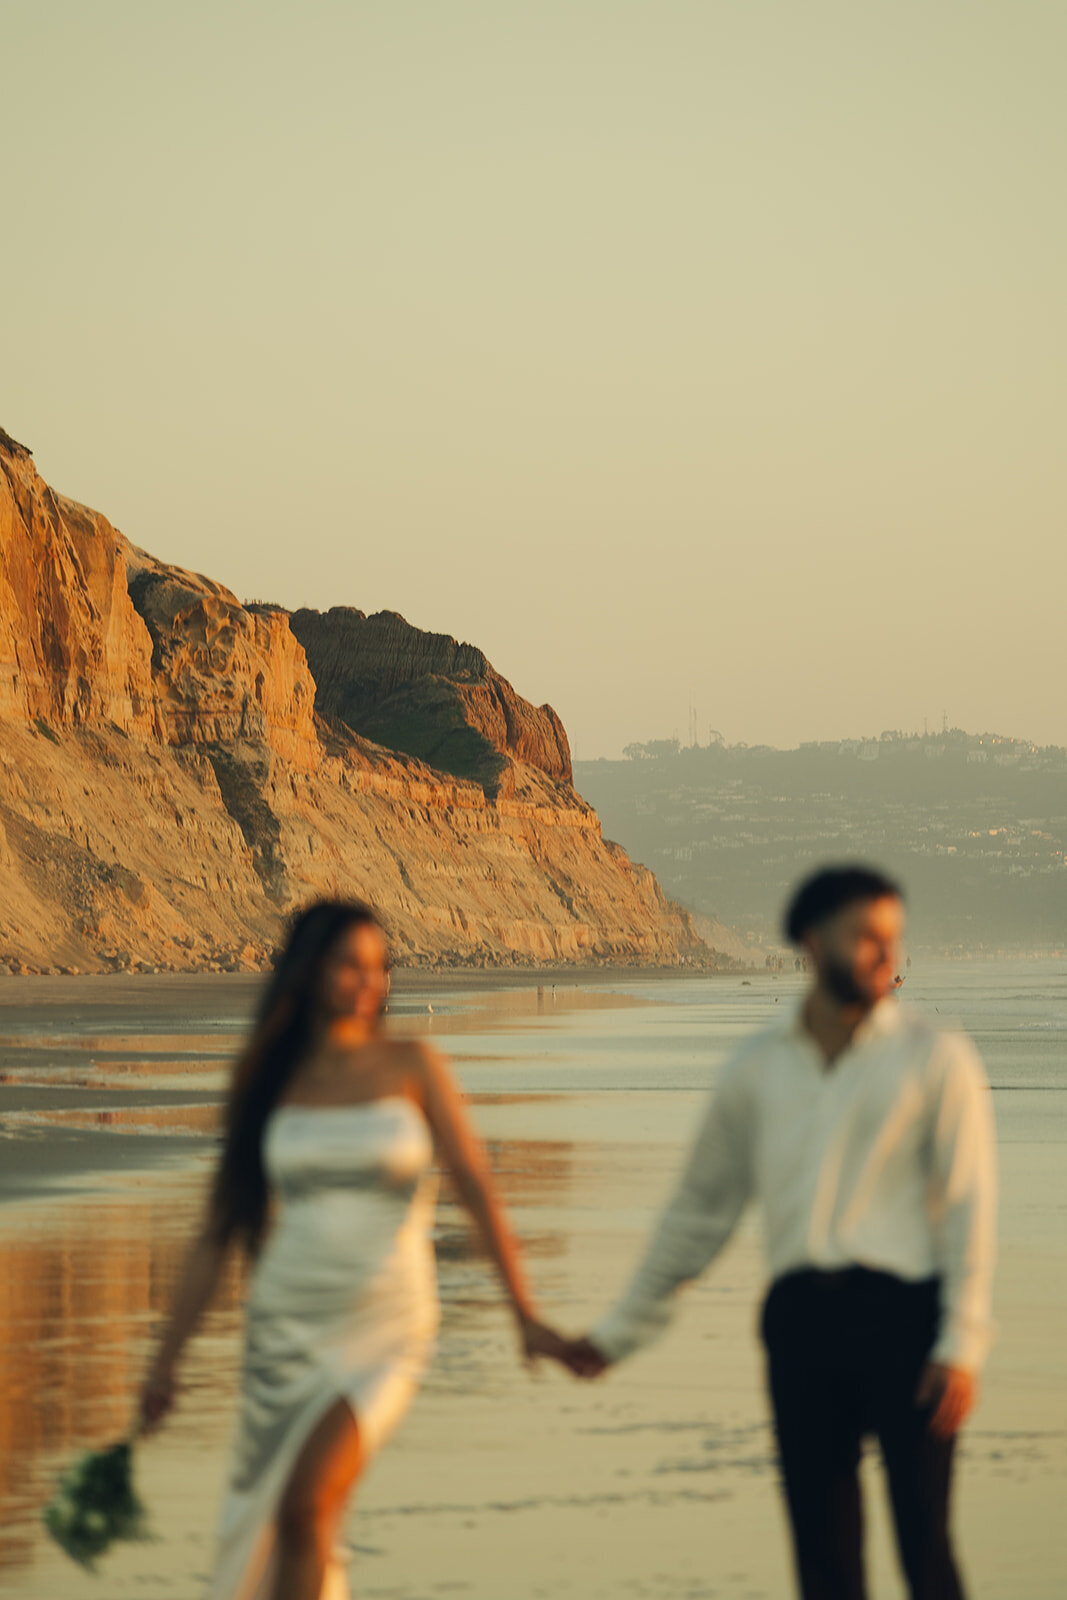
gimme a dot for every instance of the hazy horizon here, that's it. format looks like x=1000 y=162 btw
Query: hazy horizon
x=688 y=350
x=865 y=737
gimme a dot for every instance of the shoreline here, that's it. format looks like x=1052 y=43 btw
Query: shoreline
x=502 y=971
x=493 y=976
x=81 y=1102
x=37 y=989
x=110 y=1079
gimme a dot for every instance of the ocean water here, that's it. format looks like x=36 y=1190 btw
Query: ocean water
x=587 y=1092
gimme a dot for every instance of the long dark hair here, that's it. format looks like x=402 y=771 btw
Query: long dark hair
x=280 y=1038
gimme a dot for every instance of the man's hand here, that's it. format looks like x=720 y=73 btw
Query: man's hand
x=585 y=1359
x=951 y=1391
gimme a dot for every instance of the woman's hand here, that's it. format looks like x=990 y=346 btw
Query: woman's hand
x=158 y=1394
x=538 y=1339
x=585 y=1359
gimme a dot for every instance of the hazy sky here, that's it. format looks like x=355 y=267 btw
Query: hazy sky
x=654 y=348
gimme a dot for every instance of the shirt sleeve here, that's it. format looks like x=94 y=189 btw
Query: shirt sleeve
x=714 y=1189
x=963 y=1195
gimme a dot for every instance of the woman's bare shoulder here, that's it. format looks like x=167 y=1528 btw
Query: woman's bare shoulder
x=422 y=1055
x=419 y=1064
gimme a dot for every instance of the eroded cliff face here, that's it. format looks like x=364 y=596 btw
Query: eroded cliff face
x=72 y=648
x=169 y=794
x=427 y=695
x=222 y=672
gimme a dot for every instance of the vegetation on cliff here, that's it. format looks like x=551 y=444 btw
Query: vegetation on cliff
x=427 y=695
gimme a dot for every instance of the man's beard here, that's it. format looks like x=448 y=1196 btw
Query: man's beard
x=840 y=980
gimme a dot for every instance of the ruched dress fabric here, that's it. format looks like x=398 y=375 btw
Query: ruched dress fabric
x=342 y=1304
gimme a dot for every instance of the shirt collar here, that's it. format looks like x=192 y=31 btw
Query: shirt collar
x=884 y=1018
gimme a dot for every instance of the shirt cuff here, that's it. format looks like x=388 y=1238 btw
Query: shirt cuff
x=628 y=1327
x=614 y=1337
x=964 y=1346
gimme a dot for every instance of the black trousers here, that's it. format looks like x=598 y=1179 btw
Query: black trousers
x=845 y=1351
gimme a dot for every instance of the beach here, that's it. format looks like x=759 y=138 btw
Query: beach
x=658 y=1480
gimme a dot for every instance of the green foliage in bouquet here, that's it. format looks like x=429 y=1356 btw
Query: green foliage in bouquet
x=95 y=1504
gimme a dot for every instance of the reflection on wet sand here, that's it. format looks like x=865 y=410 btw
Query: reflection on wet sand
x=189 y=1119
x=132 y=1045
x=526 y=1172
x=81 y=1289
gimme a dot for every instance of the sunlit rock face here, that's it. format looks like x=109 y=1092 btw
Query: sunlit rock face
x=223 y=672
x=179 y=772
x=73 y=650
x=94 y=631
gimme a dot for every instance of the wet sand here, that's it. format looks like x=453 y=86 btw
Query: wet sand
x=658 y=1481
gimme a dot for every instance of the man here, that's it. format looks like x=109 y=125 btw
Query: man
x=867 y=1137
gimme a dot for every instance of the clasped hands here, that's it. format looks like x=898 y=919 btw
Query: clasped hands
x=580 y=1356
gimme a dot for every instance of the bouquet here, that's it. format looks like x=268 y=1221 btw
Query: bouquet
x=95 y=1504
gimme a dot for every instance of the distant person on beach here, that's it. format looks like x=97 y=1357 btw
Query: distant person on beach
x=866 y=1135
x=339 y=1125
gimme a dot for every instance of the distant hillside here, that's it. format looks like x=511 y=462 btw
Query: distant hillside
x=974 y=825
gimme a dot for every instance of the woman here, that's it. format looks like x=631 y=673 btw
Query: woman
x=340 y=1125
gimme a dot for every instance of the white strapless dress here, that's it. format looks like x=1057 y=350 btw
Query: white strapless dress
x=342 y=1305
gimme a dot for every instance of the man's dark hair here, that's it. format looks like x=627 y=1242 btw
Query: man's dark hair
x=830 y=889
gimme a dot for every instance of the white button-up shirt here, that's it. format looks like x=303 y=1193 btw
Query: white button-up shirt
x=884 y=1159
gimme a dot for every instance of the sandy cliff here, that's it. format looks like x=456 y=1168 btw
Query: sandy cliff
x=179 y=771
x=72 y=648
x=221 y=672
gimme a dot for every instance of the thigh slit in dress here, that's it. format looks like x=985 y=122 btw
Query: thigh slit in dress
x=342 y=1305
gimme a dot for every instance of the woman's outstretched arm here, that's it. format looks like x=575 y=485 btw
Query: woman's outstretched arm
x=465 y=1157
x=195 y=1289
